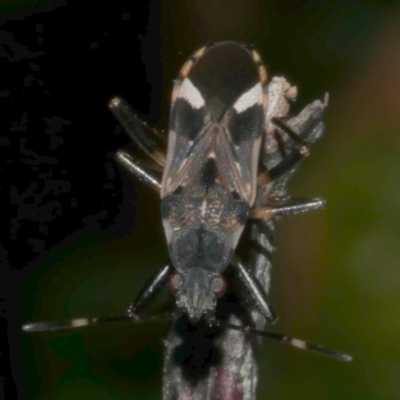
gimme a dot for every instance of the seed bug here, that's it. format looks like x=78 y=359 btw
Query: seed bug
x=210 y=185
x=209 y=180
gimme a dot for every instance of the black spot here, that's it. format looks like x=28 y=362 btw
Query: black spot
x=187 y=121
x=209 y=173
x=246 y=125
x=242 y=212
x=166 y=204
x=177 y=191
x=235 y=196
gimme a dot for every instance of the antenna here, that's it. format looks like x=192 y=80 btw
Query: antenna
x=82 y=322
x=299 y=343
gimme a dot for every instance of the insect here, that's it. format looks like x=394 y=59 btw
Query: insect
x=207 y=181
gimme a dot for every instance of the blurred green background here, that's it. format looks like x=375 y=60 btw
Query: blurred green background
x=336 y=275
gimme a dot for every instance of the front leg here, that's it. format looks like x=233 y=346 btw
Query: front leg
x=149 y=291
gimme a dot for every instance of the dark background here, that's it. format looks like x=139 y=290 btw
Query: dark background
x=77 y=238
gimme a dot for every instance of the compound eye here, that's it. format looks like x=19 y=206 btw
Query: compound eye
x=219 y=286
x=175 y=282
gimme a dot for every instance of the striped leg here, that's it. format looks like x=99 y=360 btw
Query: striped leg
x=138 y=169
x=283 y=206
x=137 y=130
x=254 y=290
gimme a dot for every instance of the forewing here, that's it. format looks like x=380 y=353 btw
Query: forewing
x=237 y=150
x=217 y=112
x=189 y=137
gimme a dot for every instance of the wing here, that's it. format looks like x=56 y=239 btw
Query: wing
x=217 y=112
x=237 y=151
x=189 y=137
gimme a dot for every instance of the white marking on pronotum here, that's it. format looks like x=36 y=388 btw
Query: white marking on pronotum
x=190 y=93
x=250 y=98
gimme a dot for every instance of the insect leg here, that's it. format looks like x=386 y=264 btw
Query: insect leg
x=283 y=206
x=311 y=128
x=138 y=169
x=149 y=291
x=304 y=150
x=136 y=129
x=253 y=288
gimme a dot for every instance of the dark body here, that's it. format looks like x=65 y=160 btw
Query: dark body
x=209 y=181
